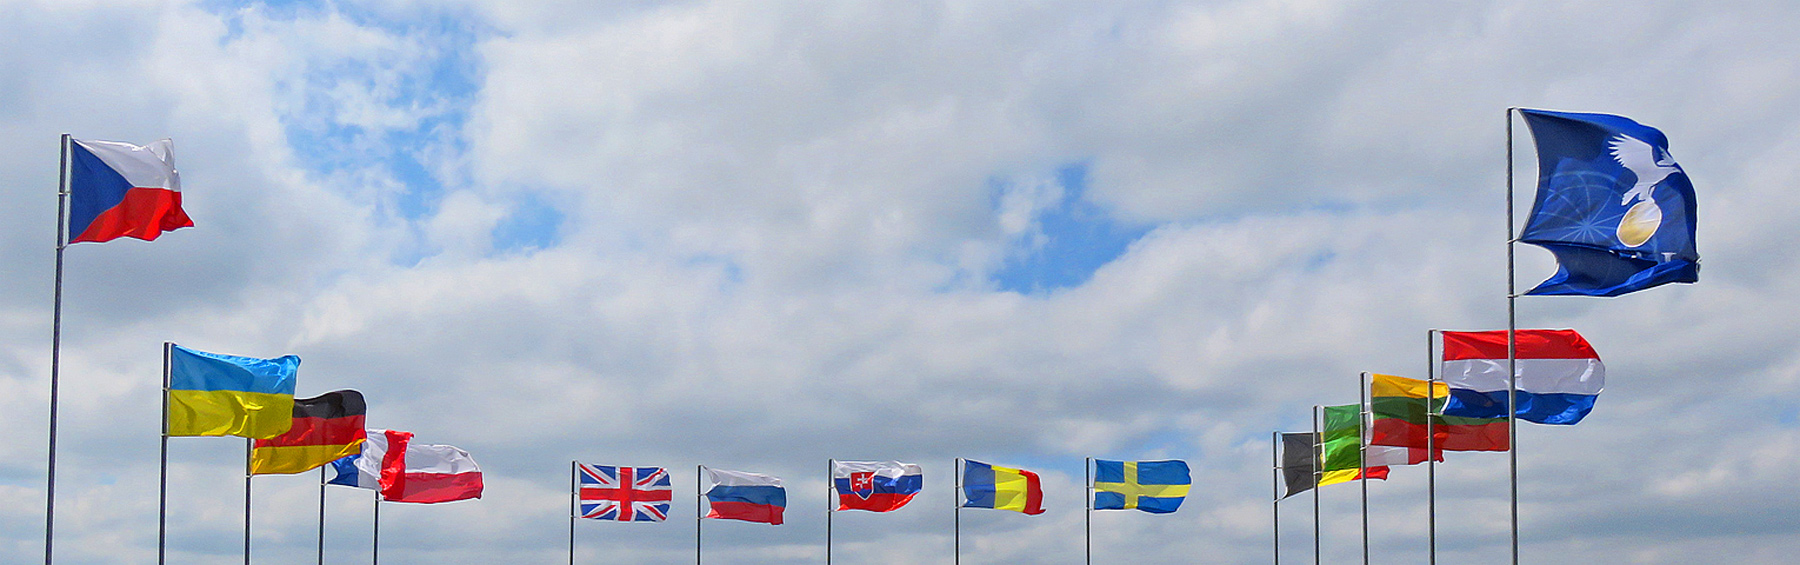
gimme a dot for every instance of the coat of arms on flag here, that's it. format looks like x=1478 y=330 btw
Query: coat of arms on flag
x=624 y=494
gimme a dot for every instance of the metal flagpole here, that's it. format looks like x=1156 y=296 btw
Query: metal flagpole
x=956 y=520
x=1431 y=445
x=830 y=509
x=574 y=510
x=1087 y=509
x=1318 y=456
x=1275 y=490
x=162 y=494
x=1512 y=353
x=699 y=475
x=249 y=452
x=375 y=543
x=1362 y=456
x=322 y=514
x=62 y=217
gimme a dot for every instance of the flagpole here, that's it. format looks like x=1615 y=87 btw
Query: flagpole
x=1512 y=353
x=1318 y=455
x=573 y=511
x=322 y=513
x=1430 y=446
x=62 y=217
x=1087 y=509
x=162 y=490
x=956 y=513
x=249 y=453
x=699 y=475
x=1275 y=491
x=1362 y=456
x=830 y=509
x=375 y=525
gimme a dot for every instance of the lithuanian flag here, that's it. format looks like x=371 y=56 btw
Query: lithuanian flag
x=1342 y=447
x=1400 y=406
x=227 y=395
x=326 y=427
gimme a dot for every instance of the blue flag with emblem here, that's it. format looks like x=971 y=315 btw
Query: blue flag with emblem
x=1612 y=205
x=1157 y=487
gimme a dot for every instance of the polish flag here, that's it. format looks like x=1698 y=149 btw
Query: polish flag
x=415 y=472
x=123 y=190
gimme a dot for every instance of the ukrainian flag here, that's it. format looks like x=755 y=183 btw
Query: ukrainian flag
x=1157 y=487
x=226 y=395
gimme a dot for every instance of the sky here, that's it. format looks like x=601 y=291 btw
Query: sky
x=760 y=235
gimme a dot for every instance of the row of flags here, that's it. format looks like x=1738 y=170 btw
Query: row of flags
x=228 y=395
x=643 y=494
x=1410 y=421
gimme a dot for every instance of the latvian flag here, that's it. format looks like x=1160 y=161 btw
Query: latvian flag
x=123 y=190
x=624 y=494
x=1559 y=375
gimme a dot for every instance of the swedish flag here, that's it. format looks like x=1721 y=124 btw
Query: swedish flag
x=1157 y=487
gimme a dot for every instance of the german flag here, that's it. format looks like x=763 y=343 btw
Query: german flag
x=326 y=427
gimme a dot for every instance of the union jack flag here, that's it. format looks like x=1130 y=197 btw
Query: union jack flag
x=624 y=494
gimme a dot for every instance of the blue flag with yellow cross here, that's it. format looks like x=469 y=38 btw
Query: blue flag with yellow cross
x=1157 y=487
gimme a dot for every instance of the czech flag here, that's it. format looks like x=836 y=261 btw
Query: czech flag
x=123 y=190
x=876 y=486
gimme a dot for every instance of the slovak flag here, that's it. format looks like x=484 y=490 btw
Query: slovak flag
x=751 y=497
x=123 y=190
x=625 y=494
x=876 y=486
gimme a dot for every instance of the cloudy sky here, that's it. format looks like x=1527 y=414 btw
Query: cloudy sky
x=757 y=235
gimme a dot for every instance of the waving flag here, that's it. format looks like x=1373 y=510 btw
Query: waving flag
x=751 y=497
x=218 y=395
x=624 y=494
x=1001 y=488
x=123 y=190
x=1343 y=448
x=326 y=427
x=372 y=468
x=876 y=486
x=1399 y=408
x=1612 y=205
x=1299 y=466
x=1559 y=375
x=432 y=474
x=1157 y=487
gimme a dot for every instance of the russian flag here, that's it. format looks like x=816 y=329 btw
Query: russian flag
x=751 y=497
x=1559 y=375
x=876 y=486
x=123 y=190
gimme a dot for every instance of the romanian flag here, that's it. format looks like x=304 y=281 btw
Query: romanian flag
x=1001 y=488
x=1157 y=487
x=1399 y=407
x=326 y=427
x=1343 y=447
x=226 y=395
x=123 y=190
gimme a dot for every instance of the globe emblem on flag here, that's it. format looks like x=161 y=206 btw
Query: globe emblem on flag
x=1649 y=165
x=862 y=484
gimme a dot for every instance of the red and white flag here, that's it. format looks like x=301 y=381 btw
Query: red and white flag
x=415 y=472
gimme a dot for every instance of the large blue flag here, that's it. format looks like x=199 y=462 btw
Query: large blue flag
x=1612 y=205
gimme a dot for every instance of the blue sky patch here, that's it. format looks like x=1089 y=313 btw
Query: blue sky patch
x=532 y=224
x=1069 y=240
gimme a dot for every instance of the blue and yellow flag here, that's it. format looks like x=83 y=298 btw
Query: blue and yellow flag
x=1612 y=205
x=1157 y=487
x=226 y=395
